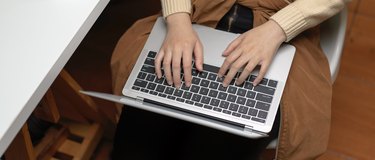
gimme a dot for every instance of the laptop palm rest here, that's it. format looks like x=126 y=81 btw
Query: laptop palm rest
x=175 y=112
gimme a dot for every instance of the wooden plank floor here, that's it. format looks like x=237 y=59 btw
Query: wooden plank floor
x=353 y=107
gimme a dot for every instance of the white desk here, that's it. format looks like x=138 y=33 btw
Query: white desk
x=37 y=37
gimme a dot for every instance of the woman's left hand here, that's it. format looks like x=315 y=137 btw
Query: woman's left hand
x=254 y=47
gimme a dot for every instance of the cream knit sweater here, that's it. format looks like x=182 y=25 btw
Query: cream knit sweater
x=293 y=19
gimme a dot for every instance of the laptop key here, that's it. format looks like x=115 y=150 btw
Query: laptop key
x=252 y=78
x=151 y=86
x=233 y=107
x=252 y=112
x=141 y=75
x=264 y=89
x=162 y=95
x=178 y=93
x=263 y=106
x=154 y=93
x=151 y=54
x=236 y=114
x=227 y=112
x=272 y=83
x=262 y=114
x=203 y=74
x=150 y=61
x=189 y=102
x=208 y=107
x=194 y=72
x=264 y=98
x=213 y=93
x=205 y=100
x=214 y=85
x=222 y=96
x=212 y=76
x=241 y=92
x=250 y=94
x=136 y=88
x=215 y=102
x=194 y=89
x=243 y=109
x=196 y=98
x=222 y=88
x=195 y=80
x=245 y=116
x=203 y=91
x=224 y=104
x=258 y=120
x=148 y=69
x=140 y=83
x=210 y=68
x=248 y=85
x=184 y=87
x=150 y=77
x=232 y=98
x=250 y=103
x=144 y=90
x=180 y=99
x=217 y=109
x=187 y=95
x=171 y=97
x=241 y=100
x=204 y=83
x=264 y=81
x=159 y=80
x=232 y=90
x=169 y=90
x=198 y=104
x=160 y=88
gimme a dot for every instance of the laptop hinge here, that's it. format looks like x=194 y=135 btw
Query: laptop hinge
x=139 y=99
x=251 y=130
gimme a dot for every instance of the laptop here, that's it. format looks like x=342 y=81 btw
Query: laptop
x=244 y=110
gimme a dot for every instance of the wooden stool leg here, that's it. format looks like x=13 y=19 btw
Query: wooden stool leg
x=21 y=148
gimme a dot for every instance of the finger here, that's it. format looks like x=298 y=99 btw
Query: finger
x=198 y=55
x=158 y=60
x=167 y=66
x=246 y=72
x=176 y=68
x=227 y=62
x=186 y=63
x=233 y=45
x=262 y=72
x=233 y=71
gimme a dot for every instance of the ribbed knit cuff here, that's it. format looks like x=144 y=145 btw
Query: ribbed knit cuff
x=175 y=6
x=291 y=20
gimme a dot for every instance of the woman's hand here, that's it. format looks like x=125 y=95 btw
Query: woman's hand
x=252 y=48
x=179 y=45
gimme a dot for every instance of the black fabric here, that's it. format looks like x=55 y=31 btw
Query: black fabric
x=144 y=135
x=239 y=19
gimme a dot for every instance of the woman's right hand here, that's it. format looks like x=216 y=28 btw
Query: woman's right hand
x=178 y=47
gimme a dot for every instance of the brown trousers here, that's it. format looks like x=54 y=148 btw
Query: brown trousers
x=306 y=102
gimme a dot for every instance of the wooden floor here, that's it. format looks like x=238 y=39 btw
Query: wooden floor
x=353 y=108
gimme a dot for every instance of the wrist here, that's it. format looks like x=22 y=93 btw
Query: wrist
x=178 y=19
x=277 y=31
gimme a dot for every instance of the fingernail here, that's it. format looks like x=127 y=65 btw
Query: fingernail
x=170 y=82
x=187 y=84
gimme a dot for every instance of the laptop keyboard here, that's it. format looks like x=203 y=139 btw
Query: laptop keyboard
x=244 y=101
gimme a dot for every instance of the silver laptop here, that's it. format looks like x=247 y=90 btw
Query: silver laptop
x=245 y=110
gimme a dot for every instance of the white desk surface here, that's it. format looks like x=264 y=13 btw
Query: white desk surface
x=37 y=37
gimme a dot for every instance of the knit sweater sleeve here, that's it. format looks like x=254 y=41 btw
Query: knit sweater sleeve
x=175 y=6
x=304 y=14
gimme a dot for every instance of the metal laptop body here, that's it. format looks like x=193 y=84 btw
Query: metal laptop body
x=214 y=42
